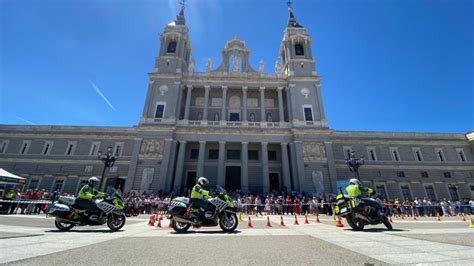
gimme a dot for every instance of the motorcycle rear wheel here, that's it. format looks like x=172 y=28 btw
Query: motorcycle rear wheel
x=180 y=227
x=228 y=222
x=354 y=223
x=387 y=223
x=116 y=221
x=63 y=226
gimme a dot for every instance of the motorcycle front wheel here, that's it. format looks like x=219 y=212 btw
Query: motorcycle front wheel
x=116 y=221
x=63 y=226
x=228 y=222
x=180 y=227
x=354 y=223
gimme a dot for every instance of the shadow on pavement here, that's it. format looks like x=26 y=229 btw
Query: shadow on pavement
x=378 y=230
x=84 y=231
x=207 y=232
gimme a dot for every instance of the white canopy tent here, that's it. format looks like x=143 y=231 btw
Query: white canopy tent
x=9 y=178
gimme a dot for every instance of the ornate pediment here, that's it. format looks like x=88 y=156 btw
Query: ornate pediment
x=152 y=148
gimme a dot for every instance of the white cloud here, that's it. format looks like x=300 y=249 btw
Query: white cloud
x=102 y=95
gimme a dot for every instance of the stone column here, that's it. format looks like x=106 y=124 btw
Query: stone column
x=331 y=166
x=206 y=102
x=262 y=104
x=132 y=168
x=221 y=165
x=165 y=164
x=178 y=178
x=265 y=177
x=224 y=104
x=280 y=104
x=244 y=111
x=188 y=102
x=244 y=169
x=300 y=164
x=202 y=154
x=285 y=166
x=294 y=168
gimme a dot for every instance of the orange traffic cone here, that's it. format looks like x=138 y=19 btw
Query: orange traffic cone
x=282 y=223
x=306 y=219
x=296 y=220
x=414 y=216
x=269 y=224
x=339 y=223
x=317 y=218
x=170 y=225
x=249 y=225
x=438 y=218
x=159 y=223
x=151 y=222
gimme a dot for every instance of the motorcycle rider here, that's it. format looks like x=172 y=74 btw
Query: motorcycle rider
x=361 y=194
x=87 y=195
x=199 y=197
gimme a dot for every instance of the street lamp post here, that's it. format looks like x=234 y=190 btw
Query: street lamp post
x=108 y=159
x=354 y=163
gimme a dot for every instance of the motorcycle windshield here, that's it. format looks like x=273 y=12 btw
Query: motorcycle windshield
x=114 y=193
x=221 y=189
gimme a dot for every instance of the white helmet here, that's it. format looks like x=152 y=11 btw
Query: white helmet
x=203 y=181
x=93 y=180
x=354 y=181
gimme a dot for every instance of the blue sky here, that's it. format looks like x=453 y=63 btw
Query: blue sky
x=387 y=65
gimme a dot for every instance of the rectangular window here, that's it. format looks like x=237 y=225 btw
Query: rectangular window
x=118 y=149
x=25 y=146
x=395 y=155
x=447 y=174
x=253 y=155
x=233 y=154
x=94 y=148
x=453 y=192
x=299 y=50
x=58 y=185
x=400 y=174
x=194 y=154
x=113 y=169
x=430 y=192
x=424 y=174
x=417 y=154
x=406 y=192
x=272 y=155
x=160 y=110
x=308 y=113
x=33 y=183
x=371 y=153
x=3 y=146
x=440 y=155
x=376 y=174
x=88 y=169
x=347 y=151
x=48 y=145
x=380 y=189
x=71 y=146
x=213 y=154
x=171 y=47
x=461 y=155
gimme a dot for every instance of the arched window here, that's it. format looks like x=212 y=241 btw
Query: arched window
x=216 y=116
x=171 y=47
x=200 y=116
x=252 y=117
x=269 y=117
x=299 y=50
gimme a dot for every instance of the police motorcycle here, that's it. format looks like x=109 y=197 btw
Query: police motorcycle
x=357 y=216
x=107 y=210
x=220 y=211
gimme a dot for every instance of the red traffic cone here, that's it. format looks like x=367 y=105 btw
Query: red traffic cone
x=159 y=223
x=438 y=218
x=317 y=218
x=170 y=225
x=282 y=223
x=249 y=225
x=414 y=217
x=296 y=220
x=339 y=223
x=306 y=219
x=269 y=224
x=151 y=222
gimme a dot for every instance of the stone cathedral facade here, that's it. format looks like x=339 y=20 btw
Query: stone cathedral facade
x=242 y=128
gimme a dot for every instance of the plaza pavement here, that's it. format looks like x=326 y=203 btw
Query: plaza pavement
x=33 y=240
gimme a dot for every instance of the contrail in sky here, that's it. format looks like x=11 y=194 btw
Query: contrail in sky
x=102 y=95
x=26 y=121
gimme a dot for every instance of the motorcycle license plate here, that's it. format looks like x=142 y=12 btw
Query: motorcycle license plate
x=343 y=210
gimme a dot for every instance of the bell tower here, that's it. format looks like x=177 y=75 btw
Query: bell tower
x=175 y=49
x=295 y=49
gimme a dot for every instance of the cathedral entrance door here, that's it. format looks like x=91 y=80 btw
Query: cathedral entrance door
x=274 y=182
x=232 y=178
x=234 y=117
x=190 y=180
